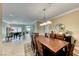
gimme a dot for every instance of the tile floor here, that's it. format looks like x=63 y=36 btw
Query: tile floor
x=18 y=47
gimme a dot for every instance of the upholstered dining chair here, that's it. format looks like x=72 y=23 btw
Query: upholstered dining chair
x=52 y=35
x=39 y=48
x=46 y=35
x=32 y=42
x=68 y=39
x=35 y=42
x=59 y=36
x=70 y=48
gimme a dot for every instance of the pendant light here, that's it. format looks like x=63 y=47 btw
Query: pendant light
x=47 y=22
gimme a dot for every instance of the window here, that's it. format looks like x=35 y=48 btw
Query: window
x=16 y=29
x=28 y=28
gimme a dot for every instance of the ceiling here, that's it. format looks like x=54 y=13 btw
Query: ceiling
x=27 y=13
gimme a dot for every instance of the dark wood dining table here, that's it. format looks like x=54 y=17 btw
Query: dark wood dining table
x=53 y=44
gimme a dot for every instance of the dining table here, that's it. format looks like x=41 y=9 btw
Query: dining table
x=51 y=43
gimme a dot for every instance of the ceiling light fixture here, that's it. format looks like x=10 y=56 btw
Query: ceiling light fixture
x=47 y=22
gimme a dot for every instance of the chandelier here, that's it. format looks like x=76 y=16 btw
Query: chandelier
x=47 y=22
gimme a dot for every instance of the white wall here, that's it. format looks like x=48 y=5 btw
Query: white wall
x=0 y=29
x=4 y=25
x=38 y=29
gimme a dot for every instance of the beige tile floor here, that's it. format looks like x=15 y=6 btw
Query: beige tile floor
x=16 y=48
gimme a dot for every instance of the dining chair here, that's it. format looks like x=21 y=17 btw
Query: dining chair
x=59 y=36
x=52 y=34
x=39 y=48
x=32 y=42
x=68 y=38
x=46 y=35
x=35 y=35
x=70 y=48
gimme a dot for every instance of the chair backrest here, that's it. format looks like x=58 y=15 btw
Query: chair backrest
x=68 y=39
x=34 y=38
x=59 y=36
x=32 y=42
x=73 y=45
x=46 y=35
x=39 y=48
x=71 y=48
x=52 y=35
x=35 y=35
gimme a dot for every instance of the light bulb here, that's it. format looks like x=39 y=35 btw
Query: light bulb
x=49 y=22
